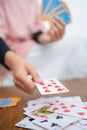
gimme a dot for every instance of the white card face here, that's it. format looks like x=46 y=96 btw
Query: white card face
x=56 y=122
x=28 y=123
x=51 y=86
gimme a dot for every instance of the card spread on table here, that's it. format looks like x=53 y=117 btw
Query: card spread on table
x=57 y=122
x=8 y=102
x=50 y=9
x=51 y=86
x=53 y=113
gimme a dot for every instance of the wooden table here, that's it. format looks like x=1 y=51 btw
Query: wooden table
x=10 y=116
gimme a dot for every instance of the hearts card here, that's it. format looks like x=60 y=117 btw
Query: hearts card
x=51 y=86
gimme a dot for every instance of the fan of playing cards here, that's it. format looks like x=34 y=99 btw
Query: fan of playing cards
x=51 y=9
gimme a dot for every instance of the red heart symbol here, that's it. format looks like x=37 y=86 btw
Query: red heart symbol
x=44 y=87
x=55 y=109
x=62 y=104
x=56 y=101
x=72 y=105
x=57 y=86
x=64 y=107
x=81 y=113
x=49 y=85
x=85 y=107
x=43 y=116
x=66 y=110
x=42 y=83
x=47 y=90
x=51 y=80
x=60 y=89
x=51 y=104
x=54 y=83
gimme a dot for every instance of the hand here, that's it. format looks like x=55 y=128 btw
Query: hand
x=55 y=32
x=21 y=69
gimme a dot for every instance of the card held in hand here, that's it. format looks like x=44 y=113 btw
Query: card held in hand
x=51 y=86
x=52 y=9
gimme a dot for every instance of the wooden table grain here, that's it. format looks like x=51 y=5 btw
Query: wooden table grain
x=10 y=116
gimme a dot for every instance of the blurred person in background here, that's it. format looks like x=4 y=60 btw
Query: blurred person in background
x=20 y=30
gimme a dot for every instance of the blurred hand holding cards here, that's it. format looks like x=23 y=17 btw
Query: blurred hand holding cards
x=51 y=9
x=9 y=102
x=51 y=86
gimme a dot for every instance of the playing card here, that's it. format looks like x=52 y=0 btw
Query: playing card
x=39 y=101
x=45 y=5
x=51 y=86
x=72 y=106
x=57 y=122
x=76 y=111
x=8 y=102
x=62 y=103
x=52 y=9
x=64 y=15
x=52 y=4
x=28 y=123
x=4 y=102
x=40 y=113
x=34 y=103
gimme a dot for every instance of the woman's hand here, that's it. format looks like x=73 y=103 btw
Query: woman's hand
x=21 y=69
x=55 y=32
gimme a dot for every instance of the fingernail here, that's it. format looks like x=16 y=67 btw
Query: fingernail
x=29 y=76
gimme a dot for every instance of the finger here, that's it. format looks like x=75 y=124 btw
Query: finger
x=20 y=86
x=60 y=25
x=27 y=83
x=56 y=29
x=53 y=32
x=60 y=21
x=32 y=71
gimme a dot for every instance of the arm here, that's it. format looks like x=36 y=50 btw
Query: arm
x=3 y=49
x=20 y=68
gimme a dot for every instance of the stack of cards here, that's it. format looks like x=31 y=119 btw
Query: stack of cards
x=55 y=113
x=51 y=9
x=8 y=102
